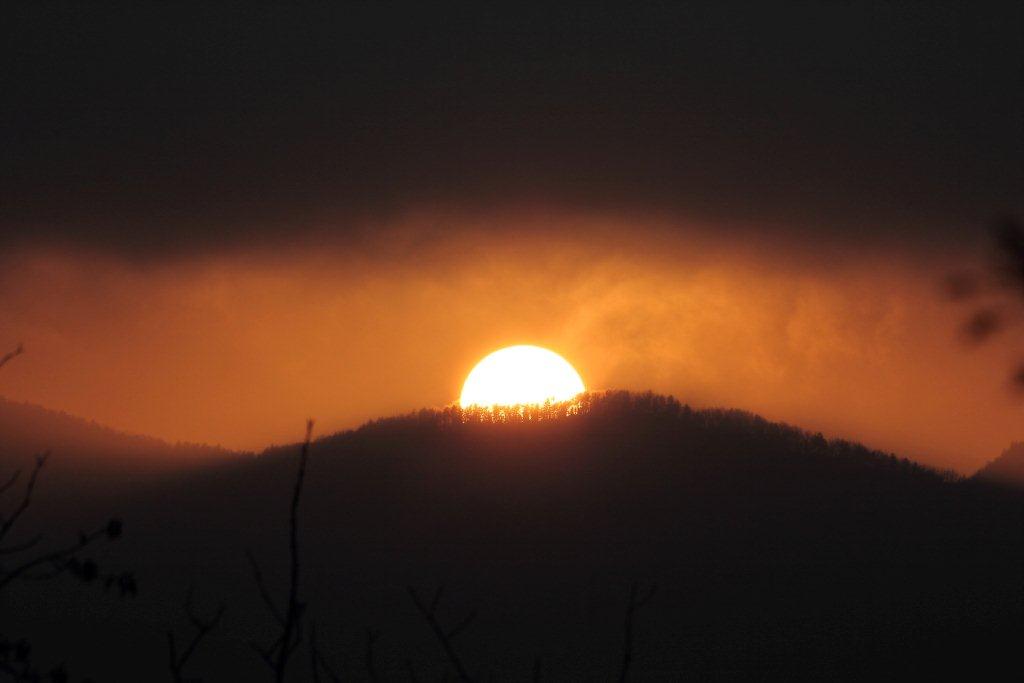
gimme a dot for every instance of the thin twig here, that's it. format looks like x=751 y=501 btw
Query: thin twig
x=444 y=636
x=7 y=357
x=636 y=601
x=10 y=482
x=202 y=629
x=261 y=586
x=54 y=557
x=294 y=611
x=26 y=499
x=277 y=655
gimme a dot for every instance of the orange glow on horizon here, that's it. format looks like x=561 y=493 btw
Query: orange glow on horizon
x=239 y=348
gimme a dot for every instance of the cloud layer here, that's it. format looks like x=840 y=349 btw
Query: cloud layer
x=239 y=350
x=155 y=130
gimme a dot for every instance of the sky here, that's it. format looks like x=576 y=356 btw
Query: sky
x=220 y=218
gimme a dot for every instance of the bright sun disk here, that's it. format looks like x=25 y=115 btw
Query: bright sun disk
x=519 y=375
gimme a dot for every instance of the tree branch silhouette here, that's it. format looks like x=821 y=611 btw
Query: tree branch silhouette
x=261 y=586
x=202 y=628
x=11 y=481
x=277 y=655
x=444 y=636
x=636 y=601
x=986 y=320
x=26 y=498
x=15 y=656
x=58 y=560
x=10 y=355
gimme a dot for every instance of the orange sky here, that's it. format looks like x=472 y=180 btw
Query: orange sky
x=238 y=348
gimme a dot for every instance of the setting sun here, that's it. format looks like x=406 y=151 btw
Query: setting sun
x=520 y=375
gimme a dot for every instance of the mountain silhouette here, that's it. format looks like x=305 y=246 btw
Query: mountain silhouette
x=88 y=459
x=1007 y=469
x=777 y=553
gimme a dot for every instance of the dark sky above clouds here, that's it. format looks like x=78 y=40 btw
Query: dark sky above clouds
x=219 y=219
x=165 y=129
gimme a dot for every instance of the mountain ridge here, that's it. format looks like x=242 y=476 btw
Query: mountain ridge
x=1005 y=470
x=762 y=536
x=19 y=441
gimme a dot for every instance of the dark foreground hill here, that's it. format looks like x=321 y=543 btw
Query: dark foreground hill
x=776 y=553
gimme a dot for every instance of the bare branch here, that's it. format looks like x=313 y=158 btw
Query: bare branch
x=202 y=628
x=637 y=599
x=294 y=611
x=11 y=481
x=7 y=357
x=277 y=655
x=443 y=636
x=461 y=626
x=26 y=499
x=261 y=586
x=53 y=558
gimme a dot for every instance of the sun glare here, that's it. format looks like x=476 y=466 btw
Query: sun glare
x=519 y=375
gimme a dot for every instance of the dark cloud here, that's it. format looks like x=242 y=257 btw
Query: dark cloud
x=156 y=129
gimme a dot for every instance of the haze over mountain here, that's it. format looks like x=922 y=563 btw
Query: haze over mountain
x=87 y=458
x=220 y=219
x=776 y=551
x=1007 y=469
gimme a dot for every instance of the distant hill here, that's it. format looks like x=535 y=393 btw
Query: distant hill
x=778 y=553
x=1007 y=469
x=88 y=455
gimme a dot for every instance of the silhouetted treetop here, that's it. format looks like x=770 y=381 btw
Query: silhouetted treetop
x=675 y=430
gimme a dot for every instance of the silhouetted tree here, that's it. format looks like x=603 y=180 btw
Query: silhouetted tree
x=636 y=601
x=986 y=291
x=202 y=628
x=289 y=620
x=24 y=560
x=6 y=358
x=445 y=635
x=55 y=561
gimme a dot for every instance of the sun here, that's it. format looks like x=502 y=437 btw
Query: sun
x=520 y=375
